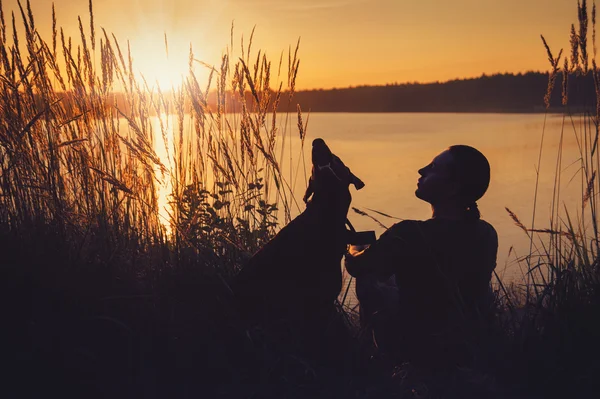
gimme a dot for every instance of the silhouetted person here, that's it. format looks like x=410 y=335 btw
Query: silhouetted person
x=442 y=267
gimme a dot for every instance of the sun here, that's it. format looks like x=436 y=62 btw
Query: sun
x=165 y=73
x=153 y=64
x=163 y=63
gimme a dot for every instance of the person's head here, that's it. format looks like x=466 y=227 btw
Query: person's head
x=460 y=175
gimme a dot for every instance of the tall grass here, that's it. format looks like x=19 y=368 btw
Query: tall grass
x=99 y=279
x=553 y=319
x=82 y=134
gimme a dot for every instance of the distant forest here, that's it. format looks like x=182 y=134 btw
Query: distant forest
x=520 y=93
x=501 y=93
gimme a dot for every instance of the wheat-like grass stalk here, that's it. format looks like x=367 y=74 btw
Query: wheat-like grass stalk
x=300 y=124
x=582 y=36
x=517 y=221
x=589 y=189
x=565 y=82
x=363 y=213
x=553 y=72
x=594 y=29
x=92 y=28
x=574 y=42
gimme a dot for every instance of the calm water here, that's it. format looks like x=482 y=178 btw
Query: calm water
x=386 y=150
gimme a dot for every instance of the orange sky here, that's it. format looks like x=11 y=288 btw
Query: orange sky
x=343 y=42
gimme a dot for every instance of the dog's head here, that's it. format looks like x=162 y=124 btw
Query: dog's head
x=330 y=178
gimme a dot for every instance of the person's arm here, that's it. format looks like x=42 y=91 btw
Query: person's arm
x=382 y=257
x=490 y=248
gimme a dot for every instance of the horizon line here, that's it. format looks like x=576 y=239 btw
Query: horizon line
x=416 y=82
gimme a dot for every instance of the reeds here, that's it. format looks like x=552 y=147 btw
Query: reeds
x=88 y=150
x=553 y=72
x=550 y=320
x=78 y=143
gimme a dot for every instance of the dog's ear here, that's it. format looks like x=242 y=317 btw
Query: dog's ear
x=356 y=181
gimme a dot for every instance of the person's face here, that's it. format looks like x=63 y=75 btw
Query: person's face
x=437 y=184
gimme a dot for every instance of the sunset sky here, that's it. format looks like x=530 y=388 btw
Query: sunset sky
x=343 y=42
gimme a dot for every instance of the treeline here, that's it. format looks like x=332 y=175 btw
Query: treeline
x=496 y=93
x=518 y=93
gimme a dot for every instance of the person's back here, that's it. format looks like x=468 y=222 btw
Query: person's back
x=443 y=278
x=443 y=270
x=452 y=262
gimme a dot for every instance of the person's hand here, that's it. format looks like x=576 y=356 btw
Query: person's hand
x=356 y=249
x=352 y=257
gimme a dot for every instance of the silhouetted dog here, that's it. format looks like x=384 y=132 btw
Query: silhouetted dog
x=296 y=277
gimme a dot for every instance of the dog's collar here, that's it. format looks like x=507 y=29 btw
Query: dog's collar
x=328 y=166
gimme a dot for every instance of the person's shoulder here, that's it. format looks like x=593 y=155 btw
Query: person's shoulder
x=486 y=229
x=483 y=225
x=405 y=224
x=404 y=227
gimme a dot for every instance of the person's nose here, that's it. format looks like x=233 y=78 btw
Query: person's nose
x=422 y=171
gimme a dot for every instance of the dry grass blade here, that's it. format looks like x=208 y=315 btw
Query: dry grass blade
x=33 y=120
x=516 y=220
x=363 y=213
x=565 y=83
x=71 y=119
x=2 y=25
x=589 y=189
x=597 y=88
x=574 y=41
x=250 y=82
x=552 y=232
x=54 y=32
x=582 y=37
x=112 y=180
x=92 y=29
x=250 y=42
x=384 y=214
x=595 y=144
x=30 y=16
x=70 y=142
x=300 y=123
x=548 y=51
x=26 y=23
x=594 y=29
x=553 y=72
x=166 y=45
